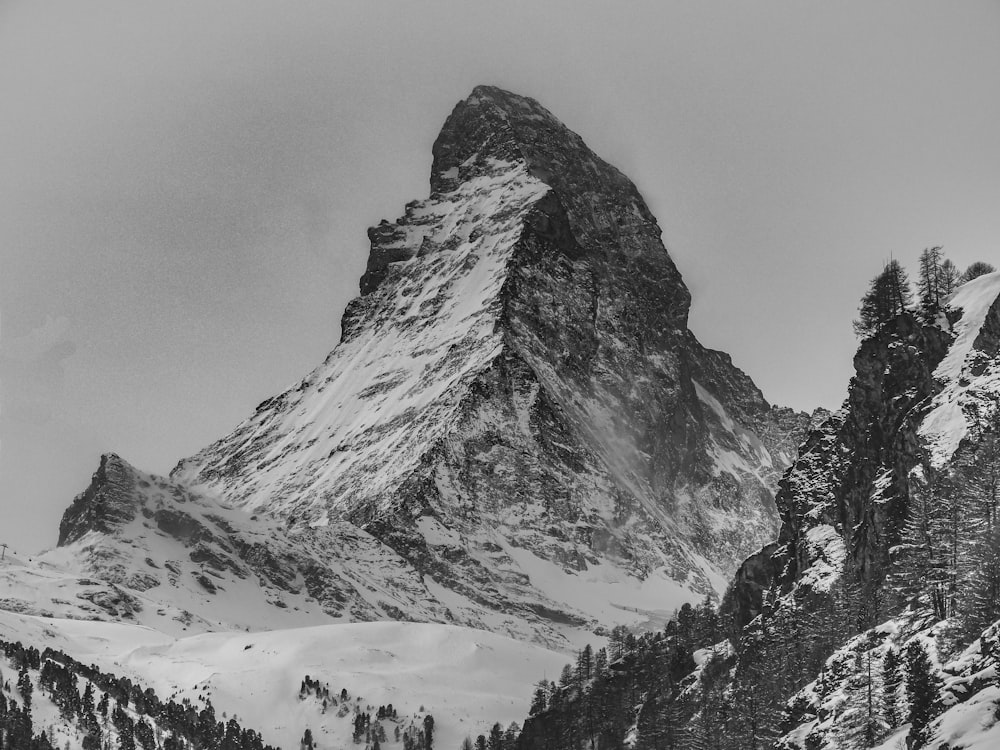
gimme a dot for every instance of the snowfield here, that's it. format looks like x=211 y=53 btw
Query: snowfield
x=467 y=679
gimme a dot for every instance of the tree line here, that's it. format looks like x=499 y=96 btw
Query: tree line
x=141 y=720
x=890 y=293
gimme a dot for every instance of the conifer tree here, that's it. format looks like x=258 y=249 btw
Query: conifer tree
x=938 y=277
x=540 y=698
x=600 y=662
x=495 y=740
x=567 y=678
x=25 y=687
x=650 y=727
x=923 y=694
x=978 y=484
x=585 y=665
x=888 y=295
x=929 y=282
x=429 y=732
x=922 y=571
x=872 y=726
x=891 y=681
x=510 y=735
x=974 y=271
x=950 y=278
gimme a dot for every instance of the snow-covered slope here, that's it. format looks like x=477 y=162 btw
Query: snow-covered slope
x=830 y=712
x=357 y=427
x=466 y=679
x=970 y=372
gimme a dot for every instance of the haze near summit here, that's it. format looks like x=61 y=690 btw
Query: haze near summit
x=187 y=186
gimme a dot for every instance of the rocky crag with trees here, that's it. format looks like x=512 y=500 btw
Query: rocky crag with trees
x=873 y=617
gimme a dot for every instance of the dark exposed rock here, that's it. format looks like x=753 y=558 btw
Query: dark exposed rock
x=874 y=437
x=179 y=525
x=744 y=599
x=109 y=502
x=206 y=582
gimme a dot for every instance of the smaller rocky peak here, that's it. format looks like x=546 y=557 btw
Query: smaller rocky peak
x=109 y=501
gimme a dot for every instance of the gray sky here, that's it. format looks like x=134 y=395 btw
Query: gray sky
x=185 y=186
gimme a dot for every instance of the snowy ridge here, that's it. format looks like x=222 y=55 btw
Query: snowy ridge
x=970 y=375
x=358 y=425
x=178 y=561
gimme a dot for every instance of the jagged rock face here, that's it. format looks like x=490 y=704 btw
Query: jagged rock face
x=852 y=475
x=921 y=395
x=107 y=502
x=517 y=415
x=864 y=454
x=139 y=547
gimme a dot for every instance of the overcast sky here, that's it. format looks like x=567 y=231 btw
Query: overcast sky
x=185 y=186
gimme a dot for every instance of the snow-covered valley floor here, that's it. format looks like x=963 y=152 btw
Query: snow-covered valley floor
x=467 y=679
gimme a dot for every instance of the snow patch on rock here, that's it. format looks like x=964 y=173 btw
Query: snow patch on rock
x=966 y=373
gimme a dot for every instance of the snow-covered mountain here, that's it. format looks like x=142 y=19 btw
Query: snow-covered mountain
x=516 y=433
x=516 y=406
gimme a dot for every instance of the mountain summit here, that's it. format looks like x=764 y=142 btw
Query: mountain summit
x=516 y=399
x=517 y=430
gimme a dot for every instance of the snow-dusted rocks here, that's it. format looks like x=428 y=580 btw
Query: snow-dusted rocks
x=970 y=372
x=919 y=391
x=178 y=561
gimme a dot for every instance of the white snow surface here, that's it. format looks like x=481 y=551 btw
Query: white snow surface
x=947 y=423
x=606 y=592
x=467 y=679
x=827 y=552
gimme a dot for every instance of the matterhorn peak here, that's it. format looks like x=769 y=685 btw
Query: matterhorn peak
x=516 y=386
